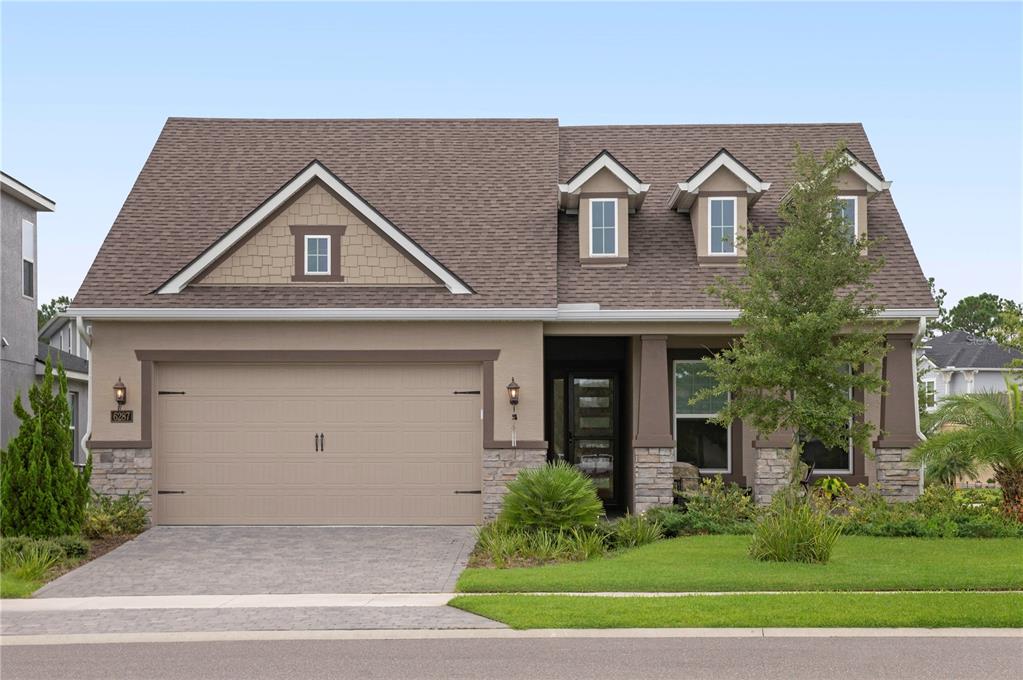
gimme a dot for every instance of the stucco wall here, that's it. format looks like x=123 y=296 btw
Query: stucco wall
x=17 y=314
x=699 y=212
x=520 y=344
x=268 y=257
x=604 y=182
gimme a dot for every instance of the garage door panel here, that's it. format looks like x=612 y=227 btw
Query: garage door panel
x=239 y=443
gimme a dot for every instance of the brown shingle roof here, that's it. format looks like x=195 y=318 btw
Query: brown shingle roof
x=479 y=195
x=662 y=271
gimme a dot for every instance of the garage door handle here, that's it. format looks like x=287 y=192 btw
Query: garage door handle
x=475 y=491
x=163 y=491
x=321 y=442
x=316 y=441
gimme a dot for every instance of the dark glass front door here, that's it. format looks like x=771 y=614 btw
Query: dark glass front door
x=585 y=425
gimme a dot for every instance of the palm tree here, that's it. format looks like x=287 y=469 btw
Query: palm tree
x=980 y=429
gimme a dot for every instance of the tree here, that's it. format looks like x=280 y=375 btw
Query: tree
x=810 y=321
x=41 y=492
x=984 y=428
x=940 y=322
x=52 y=308
x=977 y=314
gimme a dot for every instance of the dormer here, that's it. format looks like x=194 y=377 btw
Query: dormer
x=603 y=194
x=855 y=187
x=718 y=197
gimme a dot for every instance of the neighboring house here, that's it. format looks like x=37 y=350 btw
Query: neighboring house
x=19 y=277
x=315 y=321
x=960 y=363
x=60 y=341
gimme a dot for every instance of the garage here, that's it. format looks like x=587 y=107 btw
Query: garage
x=289 y=443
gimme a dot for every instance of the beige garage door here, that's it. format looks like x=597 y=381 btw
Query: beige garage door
x=238 y=444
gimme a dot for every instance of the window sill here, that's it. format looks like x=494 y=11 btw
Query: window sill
x=602 y=261
x=719 y=260
x=308 y=278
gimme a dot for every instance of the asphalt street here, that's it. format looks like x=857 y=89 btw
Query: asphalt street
x=532 y=659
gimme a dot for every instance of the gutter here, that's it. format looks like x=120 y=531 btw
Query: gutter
x=586 y=312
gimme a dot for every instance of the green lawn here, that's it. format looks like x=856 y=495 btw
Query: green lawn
x=12 y=586
x=720 y=563
x=791 y=610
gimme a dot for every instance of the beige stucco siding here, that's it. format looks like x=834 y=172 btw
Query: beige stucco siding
x=268 y=257
x=699 y=213
x=848 y=181
x=520 y=345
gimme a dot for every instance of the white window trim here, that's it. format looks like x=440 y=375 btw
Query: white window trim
x=697 y=416
x=614 y=202
x=305 y=255
x=31 y=250
x=735 y=224
x=930 y=387
x=856 y=213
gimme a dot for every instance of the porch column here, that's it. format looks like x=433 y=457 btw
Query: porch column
x=899 y=479
x=653 y=447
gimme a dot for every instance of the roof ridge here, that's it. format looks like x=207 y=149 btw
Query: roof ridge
x=353 y=120
x=620 y=126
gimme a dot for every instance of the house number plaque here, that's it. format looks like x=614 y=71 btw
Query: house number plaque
x=122 y=416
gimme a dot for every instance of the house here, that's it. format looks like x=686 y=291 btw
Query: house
x=383 y=321
x=21 y=205
x=958 y=362
x=60 y=341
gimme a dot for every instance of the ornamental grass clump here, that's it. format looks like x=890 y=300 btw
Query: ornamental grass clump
x=556 y=496
x=794 y=530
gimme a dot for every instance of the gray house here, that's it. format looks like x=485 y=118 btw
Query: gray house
x=60 y=341
x=19 y=348
x=961 y=363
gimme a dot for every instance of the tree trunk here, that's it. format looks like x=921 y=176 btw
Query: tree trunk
x=1011 y=482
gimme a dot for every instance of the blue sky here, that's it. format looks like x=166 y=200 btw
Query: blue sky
x=87 y=87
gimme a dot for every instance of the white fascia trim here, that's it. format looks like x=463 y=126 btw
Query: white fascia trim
x=570 y=312
x=873 y=182
x=604 y=162
x=722 y=160
x=315 y=171
x=26 y=194
x=322 y=314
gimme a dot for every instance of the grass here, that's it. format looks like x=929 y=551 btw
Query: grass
x=12 y=586
x=790 y=610
x=721 y=563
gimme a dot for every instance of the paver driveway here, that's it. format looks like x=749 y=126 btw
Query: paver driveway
x=241 y=560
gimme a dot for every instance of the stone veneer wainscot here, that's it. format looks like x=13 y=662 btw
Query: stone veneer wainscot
x=501 y=466
x=118 y=472
x=654 y=479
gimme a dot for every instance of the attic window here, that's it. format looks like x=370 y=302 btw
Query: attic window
x=847 y=209
x=604 y=227
x=722 y=226
x=317 y=255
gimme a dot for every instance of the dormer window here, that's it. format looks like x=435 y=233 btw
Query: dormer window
x=847 y=209
x=603 y=227
x=317 y=255
x=722 y=226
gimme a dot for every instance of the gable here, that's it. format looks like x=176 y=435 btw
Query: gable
x=267 y=257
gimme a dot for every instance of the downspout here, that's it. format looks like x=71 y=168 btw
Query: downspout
x=86 y=337
x=921 y=329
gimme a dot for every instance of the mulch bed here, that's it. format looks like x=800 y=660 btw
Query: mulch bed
x=98 y=547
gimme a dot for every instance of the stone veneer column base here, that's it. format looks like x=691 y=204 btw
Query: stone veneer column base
x=501 y=466
x=898 y=478
x=118 y=472
x=653 y=478
x=771 y=473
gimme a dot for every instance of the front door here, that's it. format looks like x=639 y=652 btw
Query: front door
x=585 y=426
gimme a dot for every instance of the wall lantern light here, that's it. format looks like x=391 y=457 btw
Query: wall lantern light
x=120 y=393
x=513 y=393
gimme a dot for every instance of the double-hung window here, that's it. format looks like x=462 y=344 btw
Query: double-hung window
x=603 y=227
x=699 y=441
x=28 y=259
x=930 y=394
x=722 y=226
x=847 y=209
x=317 y=255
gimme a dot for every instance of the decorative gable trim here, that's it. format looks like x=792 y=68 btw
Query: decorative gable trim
x=874 y=181
x=684 y=193
x=312 y=172
x=568 y=193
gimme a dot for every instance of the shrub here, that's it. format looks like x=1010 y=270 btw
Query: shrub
x=831 y=488
x=106 y=516
x=940 y=512
x=73 y=547
x=714 y=508
x=794 y=531
x=633 y=531
x=33 y=561
x=41 y=492
x=504 y=545
x=556 y=496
